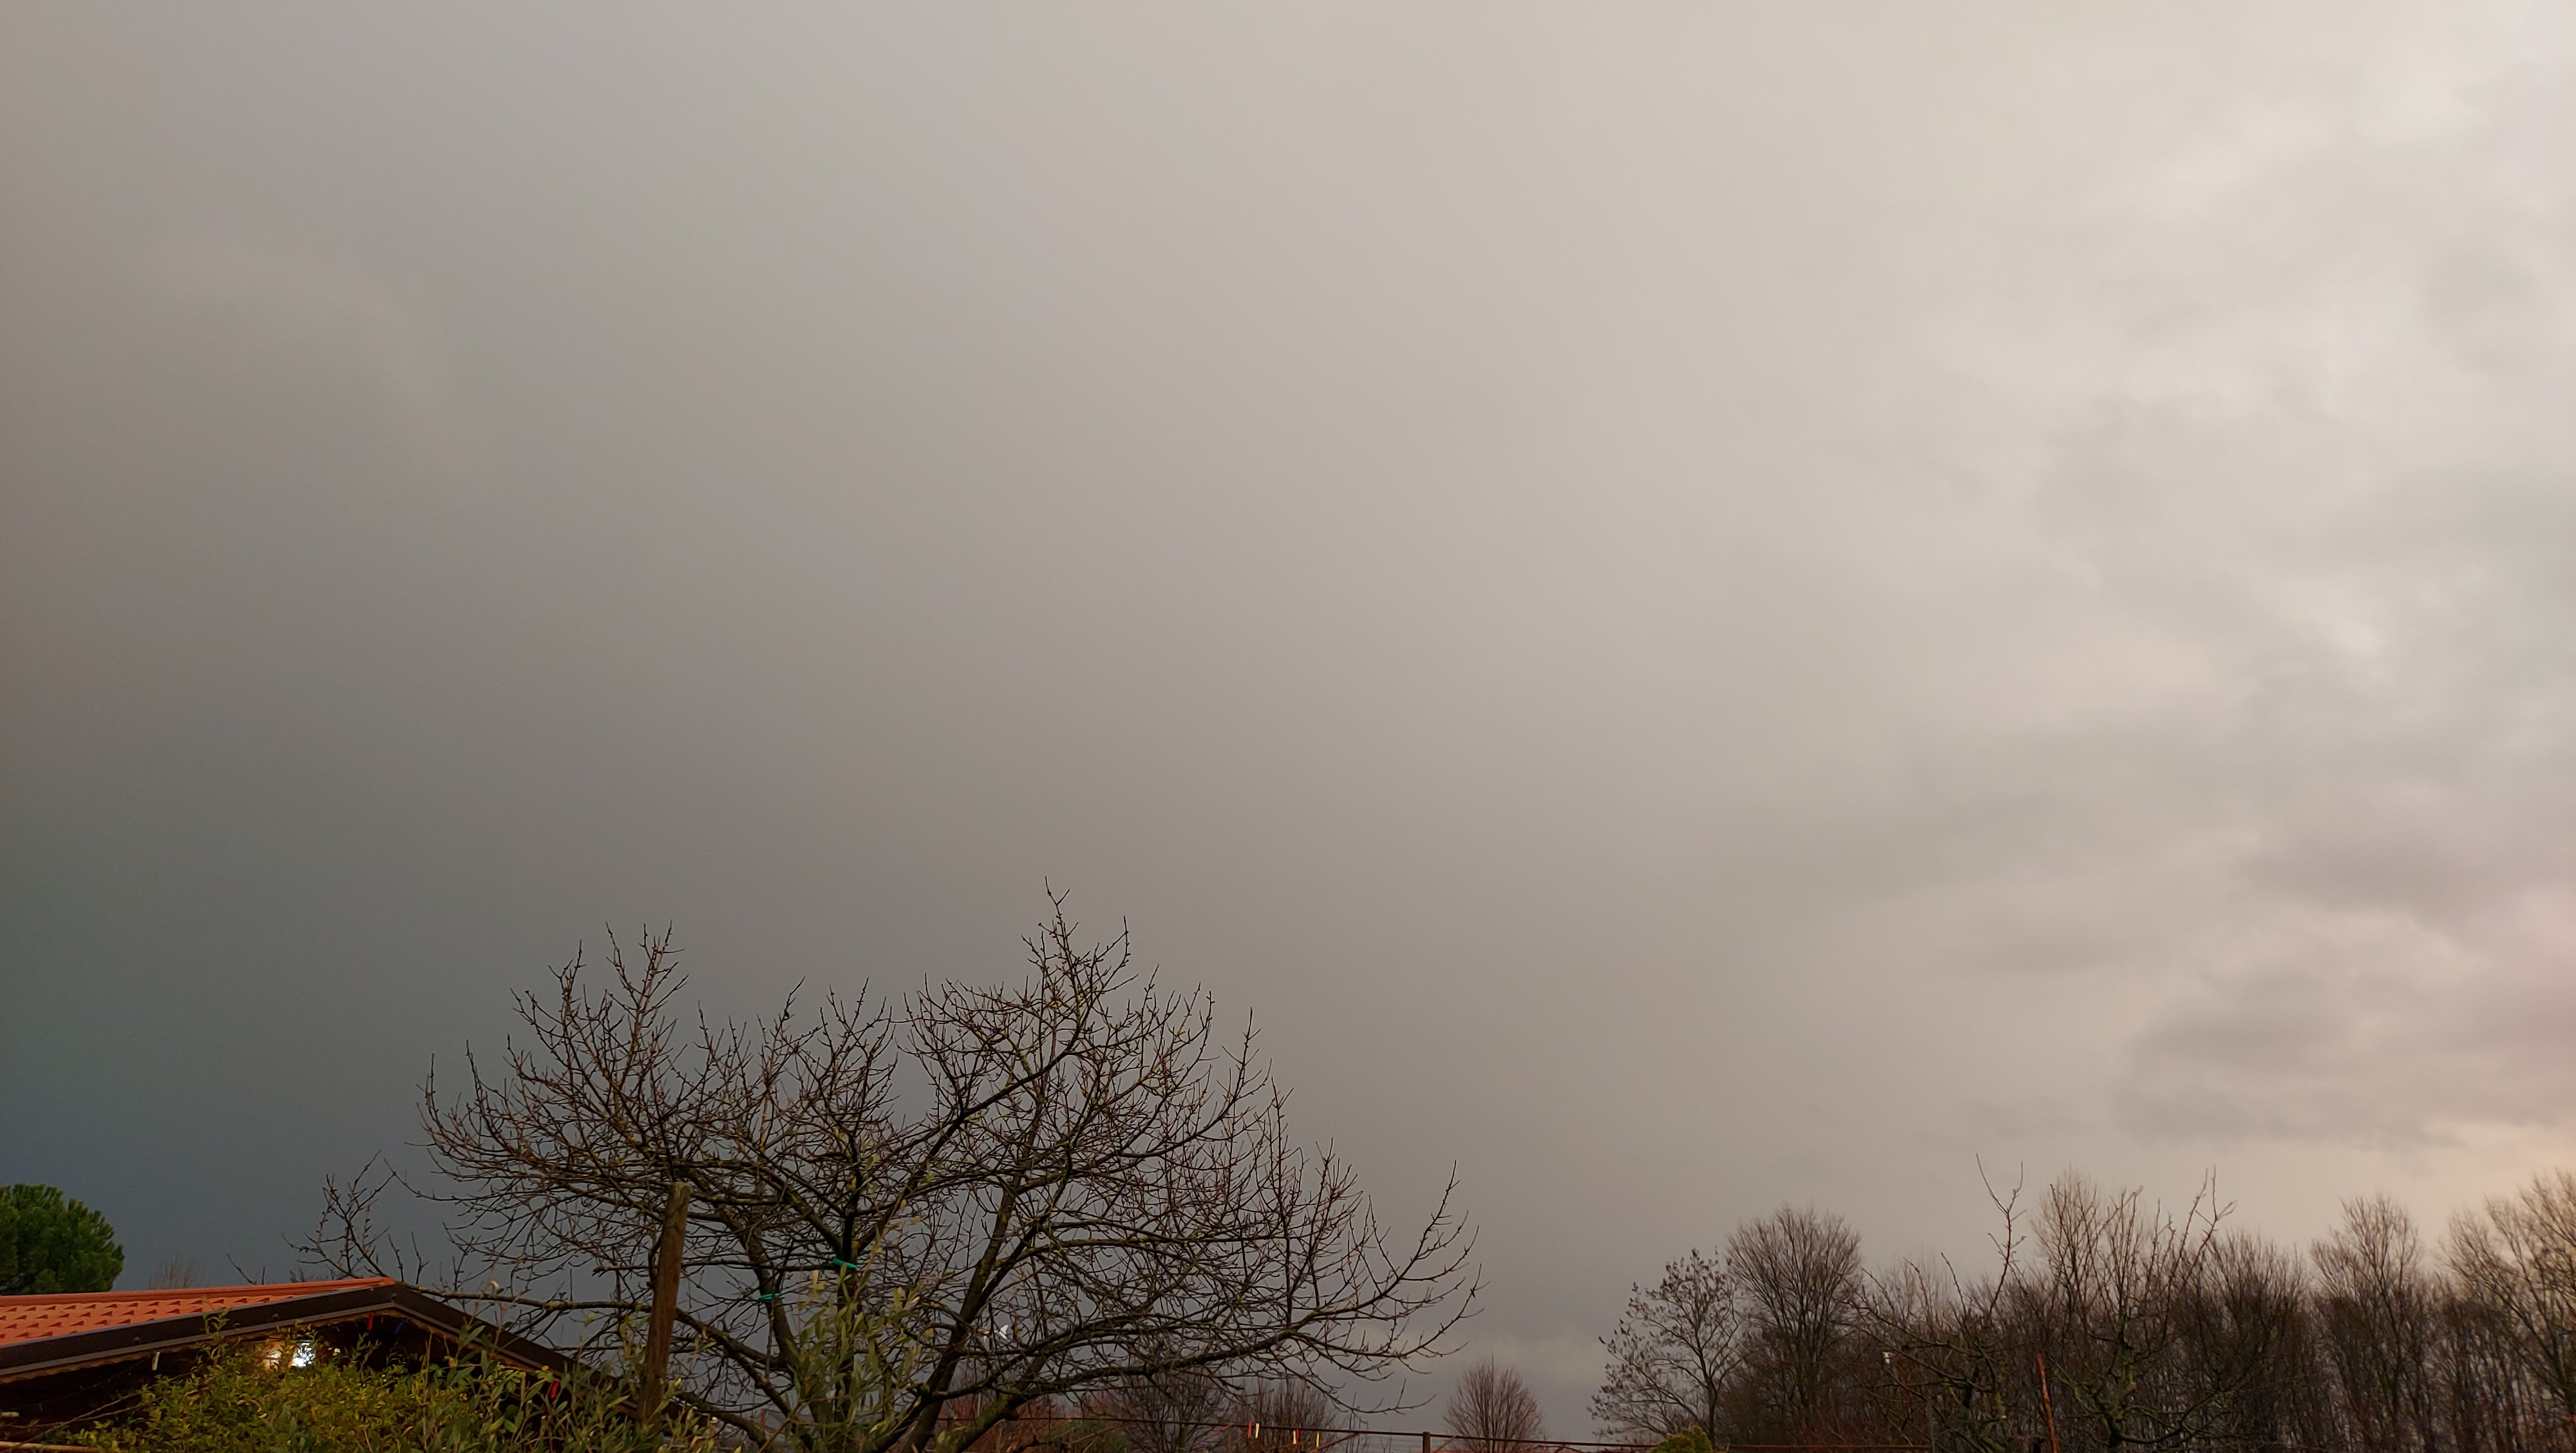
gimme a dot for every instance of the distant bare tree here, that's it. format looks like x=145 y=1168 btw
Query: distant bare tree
x=1798 y=1271
x=2111 y=1324
x=2488 y=1403
x=1492 y=1409
x=178 y=1269
x=2111 y=1304
x=2379 y=1314
x=1674 y=1353
x=1285 y=1417
x=1950 y=1346
x=909 y=1222
x=1178 y=1410
x=2516 y=1261
x=2251 y=1349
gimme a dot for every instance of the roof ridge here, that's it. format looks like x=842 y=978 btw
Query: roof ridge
x=165 y=1294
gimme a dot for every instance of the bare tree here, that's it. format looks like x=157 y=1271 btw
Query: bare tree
x=1176 y=1410
x=2110 y=1305
x=2488 y=1403
x=2115 y=1323
x=1799 y=1274
x=1674 y=1353
x=2516 y=1260
x=911 y=1221
x=2250 y=1347
x=1286 y=1417
x=178 y=1269
x=1492 y=1409
x=2379 y=1315
x=1949 y=1347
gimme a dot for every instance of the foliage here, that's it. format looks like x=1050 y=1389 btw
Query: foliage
x=1687 y=1440
x=852 y=1359
x=245 y=1398
x=52 y=1243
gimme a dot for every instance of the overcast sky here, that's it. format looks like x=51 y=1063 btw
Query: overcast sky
x=1697 y=606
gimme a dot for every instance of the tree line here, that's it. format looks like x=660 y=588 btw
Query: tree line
x=2108 y=1321
x=898 y=1224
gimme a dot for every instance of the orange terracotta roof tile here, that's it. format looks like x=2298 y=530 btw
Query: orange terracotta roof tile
x=28 y=1319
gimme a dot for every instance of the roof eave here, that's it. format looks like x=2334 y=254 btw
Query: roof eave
x=77 y=1350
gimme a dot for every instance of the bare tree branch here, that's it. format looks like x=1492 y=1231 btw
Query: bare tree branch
x=912 y=1220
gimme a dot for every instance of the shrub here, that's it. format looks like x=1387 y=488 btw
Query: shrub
x=1688 y=1440
x=249 y=1399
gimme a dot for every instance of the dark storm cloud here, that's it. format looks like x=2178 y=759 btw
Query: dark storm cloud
x=1698 y=609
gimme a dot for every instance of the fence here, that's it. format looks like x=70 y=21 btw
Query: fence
x=1069 y=1432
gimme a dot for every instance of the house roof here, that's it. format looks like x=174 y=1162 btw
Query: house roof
x=26 y=1319
x=47 y=1334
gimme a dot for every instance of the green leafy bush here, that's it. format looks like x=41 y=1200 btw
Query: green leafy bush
x=1688 y=1440
x=250 y=1399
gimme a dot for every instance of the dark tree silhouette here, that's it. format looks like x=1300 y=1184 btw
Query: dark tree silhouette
x=1285 y=1416
x=52 y=1243
x=909 y=1222
x=2109 y=1323
x=1493 y=1410
x=1180 y=1410
x=1798 y=1273
x=1674 y=1354
x=2516 y=1261
x=2380 y=1314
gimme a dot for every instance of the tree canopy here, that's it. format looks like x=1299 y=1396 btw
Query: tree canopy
x=52 y=1243
x=908 y=1220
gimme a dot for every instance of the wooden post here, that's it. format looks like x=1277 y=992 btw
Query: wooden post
x=666 y=1300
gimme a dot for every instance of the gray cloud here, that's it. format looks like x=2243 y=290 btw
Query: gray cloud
x=1698 y=609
